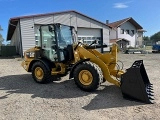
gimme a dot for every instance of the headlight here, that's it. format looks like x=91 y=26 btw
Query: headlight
x=30 y=54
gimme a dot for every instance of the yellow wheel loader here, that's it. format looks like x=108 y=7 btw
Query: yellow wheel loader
x=59 y=54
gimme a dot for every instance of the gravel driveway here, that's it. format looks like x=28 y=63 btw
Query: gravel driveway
x=23 y=99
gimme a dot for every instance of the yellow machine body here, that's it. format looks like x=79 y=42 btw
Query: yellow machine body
x=107 y=62
x=84 y=63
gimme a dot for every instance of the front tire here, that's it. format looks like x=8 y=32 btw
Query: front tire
x=40 y=73
x=88 y=76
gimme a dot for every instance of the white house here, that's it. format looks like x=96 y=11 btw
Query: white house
x=126 y=32
x=24 y=34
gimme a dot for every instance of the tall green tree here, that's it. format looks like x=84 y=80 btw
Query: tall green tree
x=1 y=37
x=146 y=38
x=155 y=37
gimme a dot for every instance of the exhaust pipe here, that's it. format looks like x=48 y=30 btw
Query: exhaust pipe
x=135 y=83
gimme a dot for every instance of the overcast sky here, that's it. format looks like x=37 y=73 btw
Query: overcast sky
x=145 y=12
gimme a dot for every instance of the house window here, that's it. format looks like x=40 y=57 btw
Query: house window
x=132 y=31
x=89 y=40
x=83 y=38
x=122 y=31
x=79 y=38
x=127 y=31
x=94 y=38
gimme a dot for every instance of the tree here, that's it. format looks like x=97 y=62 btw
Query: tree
x=146 y=38
x=155 y=37
x=1 y=37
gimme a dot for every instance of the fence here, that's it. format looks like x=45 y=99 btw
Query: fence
x=7 y=51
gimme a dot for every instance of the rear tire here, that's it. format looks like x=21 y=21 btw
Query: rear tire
x=88 y=76
x=40 y=73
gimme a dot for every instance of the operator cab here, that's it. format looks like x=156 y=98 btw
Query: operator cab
x=56 y=42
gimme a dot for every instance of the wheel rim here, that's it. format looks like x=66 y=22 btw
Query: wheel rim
x=39 y=73
x=85 y=77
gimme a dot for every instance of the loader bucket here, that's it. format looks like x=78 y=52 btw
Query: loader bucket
x=135 y=83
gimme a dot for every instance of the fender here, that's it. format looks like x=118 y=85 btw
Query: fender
x=75 y=65
x=47 y=63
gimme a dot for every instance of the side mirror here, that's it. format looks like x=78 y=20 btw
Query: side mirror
x=50 y=28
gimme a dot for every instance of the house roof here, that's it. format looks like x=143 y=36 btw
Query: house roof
x=14 y=21
x=116 y=40
x=120 y=22
x=141 y=30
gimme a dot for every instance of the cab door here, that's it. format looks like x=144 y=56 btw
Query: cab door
x=48 y=42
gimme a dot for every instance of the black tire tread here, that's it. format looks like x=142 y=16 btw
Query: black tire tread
x=47 y=74
x=96 y=71
x=100 y=73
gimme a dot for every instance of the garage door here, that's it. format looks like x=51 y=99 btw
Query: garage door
x=89 y=34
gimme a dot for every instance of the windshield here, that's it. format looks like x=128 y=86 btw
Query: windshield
x=64 y=36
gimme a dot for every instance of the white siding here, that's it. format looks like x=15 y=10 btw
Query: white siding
x=62 y=18
x=95 y=24
x=27 y=32
x=71 y=19
x=43 y=20
x=131 y=37
x=78 y=20
x=139 y=39
x=15 y=40
x=83 y=21
x=106 y=37
x=113 y=34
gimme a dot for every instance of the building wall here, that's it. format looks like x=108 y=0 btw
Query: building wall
x=28 y=26
x=131 y=37
x=27 y=33
x=106 y=37
x=62 y=18
x=113 y=34
x=16 y=40
x=43 y=20
x=139 y=39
